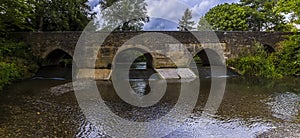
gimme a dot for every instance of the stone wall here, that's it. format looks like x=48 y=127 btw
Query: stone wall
x=158 y=44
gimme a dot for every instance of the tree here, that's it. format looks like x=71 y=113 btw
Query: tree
x=107 y=3
x=262 y=17
x=203 y=25
x=62 y=15
x=125 y=15
x=16 y=15
x=186 y=23
x=43 y=15
x=226 y=17
x=290 y=49
x=289 y=7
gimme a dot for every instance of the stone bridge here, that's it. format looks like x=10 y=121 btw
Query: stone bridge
x=161 y=49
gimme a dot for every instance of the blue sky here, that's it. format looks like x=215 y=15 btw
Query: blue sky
x=164 y=14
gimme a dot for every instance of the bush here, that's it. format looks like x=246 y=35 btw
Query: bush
x=16 y=62
x=255 y=66
x=289 y=56
x=8 y=73
x=256 y=63
x=284 y=62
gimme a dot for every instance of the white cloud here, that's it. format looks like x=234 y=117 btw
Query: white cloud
x=172 y=10
x=166 y=9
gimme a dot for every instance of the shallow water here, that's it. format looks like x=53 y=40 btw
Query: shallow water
x=251 y=107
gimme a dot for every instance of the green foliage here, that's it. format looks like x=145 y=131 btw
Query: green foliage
x=9 y=49
x=255 y=66
x=186 y=23
x=248 y=15
x=9 y=72
x=16 y=62
x=227 y=17
x=289 y=57
x=140 y=59
x=43 y=15
x=262 y=16
x=61 y=15
x=257 y=63
x=125 y=15
x=197 y=59
x=16 y=15
x=284 y=62
x=289 y=7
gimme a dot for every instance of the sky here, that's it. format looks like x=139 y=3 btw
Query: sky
x=164 y=14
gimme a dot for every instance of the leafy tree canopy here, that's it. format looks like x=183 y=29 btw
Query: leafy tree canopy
x=124 y=15
x=43 y=15
x=16 y=15
x=262 y=17
x=289 y=7
x=248 y=15
x=61 y=15
x=227 y=17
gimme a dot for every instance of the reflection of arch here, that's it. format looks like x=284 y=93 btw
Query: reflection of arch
x=215 y=59
x=129 y=54
x=57 y=57
x=268 y=48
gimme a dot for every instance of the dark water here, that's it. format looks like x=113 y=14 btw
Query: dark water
x=251 y=107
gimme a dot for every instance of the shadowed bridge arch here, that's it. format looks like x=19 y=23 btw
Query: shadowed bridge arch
x=269 y=49
x=57 y=57
x=137 y=55
x=202 y=58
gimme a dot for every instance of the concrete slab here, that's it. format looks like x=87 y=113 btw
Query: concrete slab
x=176 y=73
x=168 y=73
x=95 y=74
x=186 y=73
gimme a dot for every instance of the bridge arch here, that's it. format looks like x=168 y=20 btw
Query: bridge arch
x=201 y=57
x=57 y=57
x=269 y=49
x=127 y=54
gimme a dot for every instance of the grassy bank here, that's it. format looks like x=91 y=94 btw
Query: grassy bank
x=284 y=62
x=16 y=62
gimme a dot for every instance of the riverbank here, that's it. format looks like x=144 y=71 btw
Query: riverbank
x=16 y=62
x=284 y=62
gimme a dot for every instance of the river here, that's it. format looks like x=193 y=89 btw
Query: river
x=46 y=106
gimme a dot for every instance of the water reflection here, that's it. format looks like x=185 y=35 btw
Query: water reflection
x=285 y=106
x=139 y=65
x=211 y=127
x=251 y=108
x=87 y=129
x=140 y=87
